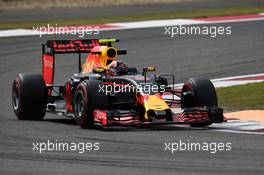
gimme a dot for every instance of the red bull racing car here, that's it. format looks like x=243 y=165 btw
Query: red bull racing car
x=106 y=92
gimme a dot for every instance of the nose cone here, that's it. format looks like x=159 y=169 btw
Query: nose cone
x=155 y=103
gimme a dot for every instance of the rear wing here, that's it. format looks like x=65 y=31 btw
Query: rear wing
x=53 y=47
x=74 y=46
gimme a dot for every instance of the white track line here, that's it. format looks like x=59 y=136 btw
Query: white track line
x=239 y=132
x=229 y=81
x=237 y=77
x=139 y=25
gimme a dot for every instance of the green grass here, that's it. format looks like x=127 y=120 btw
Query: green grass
x=242 y=97
x=151 y=16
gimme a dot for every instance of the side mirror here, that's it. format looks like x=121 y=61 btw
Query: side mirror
x=149 y=69
x=99 y=70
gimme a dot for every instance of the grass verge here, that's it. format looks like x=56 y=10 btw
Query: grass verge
x=150 y=16
x=241 y=97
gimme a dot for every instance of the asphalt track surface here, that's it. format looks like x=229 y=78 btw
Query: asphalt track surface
x=131 y=10
x=133 y=150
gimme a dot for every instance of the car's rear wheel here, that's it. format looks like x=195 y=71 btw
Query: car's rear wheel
x=198 y=92
x=29 y=97
x=87 y=98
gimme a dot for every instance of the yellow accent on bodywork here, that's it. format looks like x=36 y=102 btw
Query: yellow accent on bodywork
x=108 y=40
x=154 y=103
x=98 y=60
x=103 y=57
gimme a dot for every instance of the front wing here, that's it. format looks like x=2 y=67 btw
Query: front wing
x=197 y=115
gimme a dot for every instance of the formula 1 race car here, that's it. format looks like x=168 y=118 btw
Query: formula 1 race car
x=106 y=92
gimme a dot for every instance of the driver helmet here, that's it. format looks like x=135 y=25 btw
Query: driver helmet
x=117 y=68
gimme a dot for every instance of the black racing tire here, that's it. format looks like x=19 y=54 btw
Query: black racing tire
x=198 y=92
x=88 y=97
x=29 y=97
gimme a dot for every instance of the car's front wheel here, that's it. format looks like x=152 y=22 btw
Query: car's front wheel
x=198 y=92
x=87 y=98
